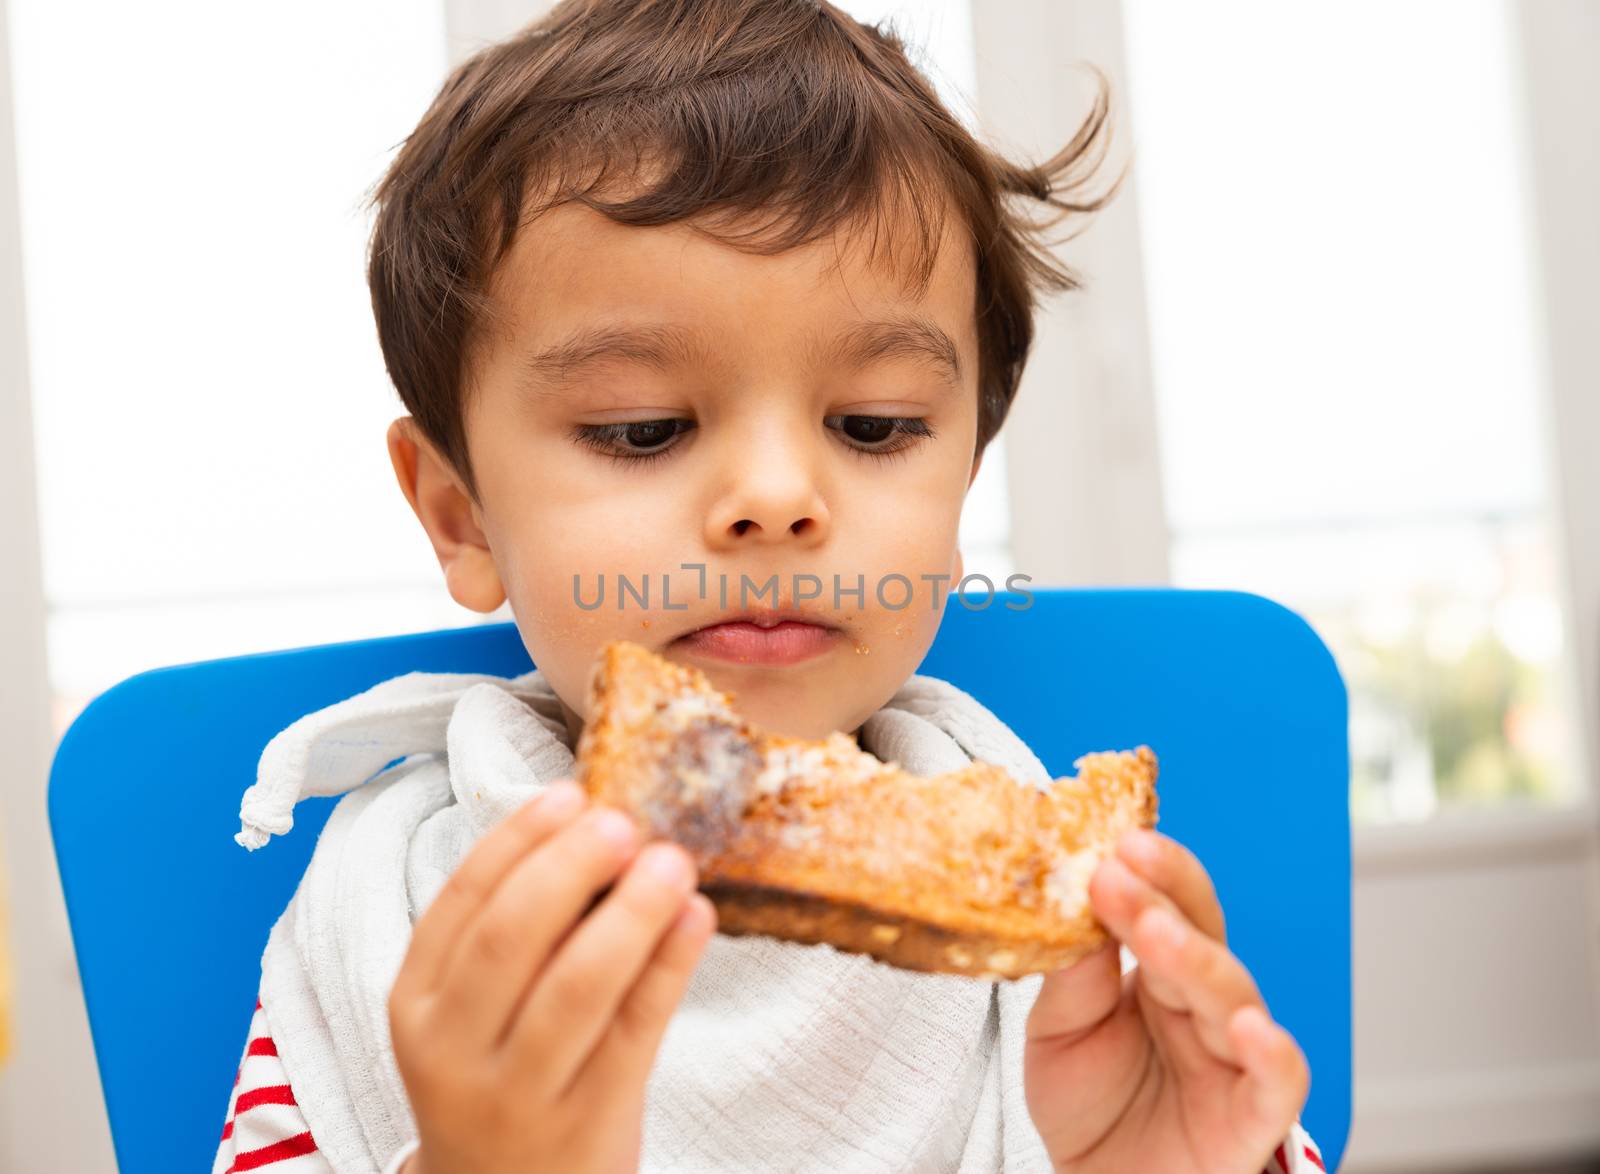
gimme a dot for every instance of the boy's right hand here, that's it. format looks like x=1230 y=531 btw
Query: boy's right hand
x=524 y=1024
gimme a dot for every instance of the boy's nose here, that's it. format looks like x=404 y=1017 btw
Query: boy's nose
x=773 y=497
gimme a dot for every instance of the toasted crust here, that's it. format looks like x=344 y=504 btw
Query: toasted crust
x=970 y=872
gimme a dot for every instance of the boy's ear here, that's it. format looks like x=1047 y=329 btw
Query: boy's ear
x=448 y=514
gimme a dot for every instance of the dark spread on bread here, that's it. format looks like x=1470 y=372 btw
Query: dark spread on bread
x=702 y=787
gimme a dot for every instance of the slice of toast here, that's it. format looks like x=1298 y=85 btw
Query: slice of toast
x=970 y=872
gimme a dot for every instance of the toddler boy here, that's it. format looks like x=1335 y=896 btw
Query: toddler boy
x=704 y=293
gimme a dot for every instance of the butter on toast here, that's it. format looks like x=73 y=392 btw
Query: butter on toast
x=970 y=872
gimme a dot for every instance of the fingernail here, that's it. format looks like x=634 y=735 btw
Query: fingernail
x=665 y=864
x=1136 y=845
x=1115 y=873
x=615 y=826
x=561 y=798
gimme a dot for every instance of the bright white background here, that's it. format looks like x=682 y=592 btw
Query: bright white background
x=209 y=397
x=1345 y=335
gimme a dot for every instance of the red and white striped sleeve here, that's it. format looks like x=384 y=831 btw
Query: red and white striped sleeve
x=1297 y=1155
x=265 y=1129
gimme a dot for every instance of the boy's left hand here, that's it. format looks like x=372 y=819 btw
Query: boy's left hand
x=1176 y=1066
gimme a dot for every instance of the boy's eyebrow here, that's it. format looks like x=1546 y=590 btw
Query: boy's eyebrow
x=665 y=346
x=911 y=336
x=658 y=346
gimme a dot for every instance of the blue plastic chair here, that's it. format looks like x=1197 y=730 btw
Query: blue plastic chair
x=1238 y=697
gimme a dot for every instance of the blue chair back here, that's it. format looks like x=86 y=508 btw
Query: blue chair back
x=1238 y=697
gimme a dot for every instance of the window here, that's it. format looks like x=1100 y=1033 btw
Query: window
x=209 y=398
x=1347 y=375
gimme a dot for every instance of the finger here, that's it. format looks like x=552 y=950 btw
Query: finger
x=1076 y=999
x=1188 y=971
x=1176 y=872
x=1119 y=897
x=510 y=939
x=627 y=1051
x=436 y=932
x=1271 y=1092
x=1178 y=1041
x=575 y=999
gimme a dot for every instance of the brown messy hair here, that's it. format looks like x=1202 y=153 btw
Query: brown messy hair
x=787 y=117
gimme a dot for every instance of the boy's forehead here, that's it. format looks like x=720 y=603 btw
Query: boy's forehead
x=573 y=258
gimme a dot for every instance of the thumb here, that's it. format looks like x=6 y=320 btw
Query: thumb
x=1076 y=999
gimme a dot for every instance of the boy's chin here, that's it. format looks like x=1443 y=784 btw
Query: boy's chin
x=785 y=701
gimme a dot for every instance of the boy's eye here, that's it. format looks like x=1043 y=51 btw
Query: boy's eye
x=639 y=440
x=649 y=434
x=881 y=435
x=645 y=440
x=868 y=429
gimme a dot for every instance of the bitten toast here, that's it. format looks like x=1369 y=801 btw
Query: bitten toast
x=970 y=872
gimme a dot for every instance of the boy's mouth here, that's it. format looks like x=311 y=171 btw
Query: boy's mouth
x=764 y=636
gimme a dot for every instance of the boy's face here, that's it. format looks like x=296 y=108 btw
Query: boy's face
x=759 y=394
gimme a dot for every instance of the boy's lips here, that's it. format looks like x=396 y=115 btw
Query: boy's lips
x=763 y=637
